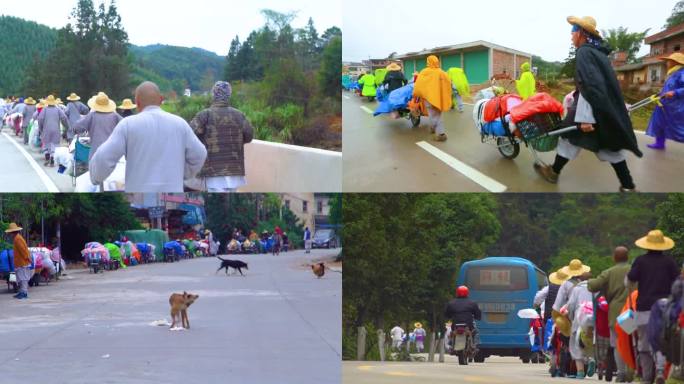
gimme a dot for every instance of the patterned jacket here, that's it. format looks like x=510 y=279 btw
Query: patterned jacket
x=224 y=131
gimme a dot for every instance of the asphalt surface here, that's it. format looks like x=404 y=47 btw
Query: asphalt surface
x=277 y=324
x=383 y=155
x=495 y=370
x=19 y=174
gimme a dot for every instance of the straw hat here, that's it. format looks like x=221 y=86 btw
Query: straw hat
x=655 y=241
x=73 y=97
x=59 y=101
x=394 y=67
x=676 y=57
x=559 y=277
x=575 y=268
x=13 y=228
x=563 y=325
x=587 y=23
x=50 y=101
x=101 y=103
x=418 y=325
x=30 y=101
x=127 y=105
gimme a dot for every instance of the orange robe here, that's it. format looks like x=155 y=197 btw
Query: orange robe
x=434 y=86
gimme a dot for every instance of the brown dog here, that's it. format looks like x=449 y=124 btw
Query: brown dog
x=179 y=308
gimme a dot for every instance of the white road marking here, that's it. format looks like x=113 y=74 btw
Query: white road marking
x=49 y=184
x=346 y=97
x=473 y=174
x=370 y=111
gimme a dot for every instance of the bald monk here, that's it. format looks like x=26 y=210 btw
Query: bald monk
x=161 y=149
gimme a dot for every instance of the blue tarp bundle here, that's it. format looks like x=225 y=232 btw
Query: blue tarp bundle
x=144 y=248
x=175 y=246
x=495 y=128
x=7 y=261
x=397 y=99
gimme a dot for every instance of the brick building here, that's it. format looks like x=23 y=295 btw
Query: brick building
x=650 y=71
x=481 y=60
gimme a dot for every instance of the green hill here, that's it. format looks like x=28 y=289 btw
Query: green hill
x=194 y=68
x=21 y=41
x=172 y=68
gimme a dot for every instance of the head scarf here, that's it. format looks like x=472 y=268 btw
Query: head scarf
x=591 y=39
x=222 y=91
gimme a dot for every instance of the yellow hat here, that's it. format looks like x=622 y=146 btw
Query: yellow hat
x=587 y=23
x=418 y=325
x=127 y=105
x=59 y=101
x=394 y=67
x=102 y=103
x=676 y=57
x=563 y=325
x=73 y=97
x=30 y=101
x=13 y=228
x=575 y=268
x=655 y=241
x=559 y=277
x=50 y=101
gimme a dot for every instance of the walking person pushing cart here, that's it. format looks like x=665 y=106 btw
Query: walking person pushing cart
x=598 y=108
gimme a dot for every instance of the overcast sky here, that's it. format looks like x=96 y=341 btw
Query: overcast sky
x=208 y=24
x=534 y=26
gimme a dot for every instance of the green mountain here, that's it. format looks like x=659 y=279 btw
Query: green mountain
x=21 y=43
x=172 y=68
x=193 y=68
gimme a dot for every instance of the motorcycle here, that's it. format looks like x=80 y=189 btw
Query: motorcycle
x=462 y=344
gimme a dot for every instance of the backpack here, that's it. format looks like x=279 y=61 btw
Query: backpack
x=497 y=107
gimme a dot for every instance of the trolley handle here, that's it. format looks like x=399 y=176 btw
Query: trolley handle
x=562 y=131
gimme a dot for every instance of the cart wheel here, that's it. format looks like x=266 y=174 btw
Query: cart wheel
x=507 y=149
x=415 y=120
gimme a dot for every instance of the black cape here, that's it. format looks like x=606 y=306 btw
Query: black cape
x=596 y=81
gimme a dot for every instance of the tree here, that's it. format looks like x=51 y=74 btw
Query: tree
x=331 y=69
x=621 y=40
x=570 y=64
x=277 y=20
x=677 y=16
x=671 y=221
x=329 y=34
x=232 y=69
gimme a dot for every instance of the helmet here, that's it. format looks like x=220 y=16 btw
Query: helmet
x=462 y=291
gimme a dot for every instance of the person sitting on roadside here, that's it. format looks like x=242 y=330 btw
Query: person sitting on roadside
x=654 y=272
x=224 y=131
x=161 y=149
x=433 y=86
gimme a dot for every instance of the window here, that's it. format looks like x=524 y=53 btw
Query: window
x=287 y=204
x=677 y=48
x=305 y=206
x=319 y=208
x=500 y=278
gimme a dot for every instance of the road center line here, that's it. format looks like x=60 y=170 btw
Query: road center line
x=370 y=111
x=473 y=174
x=49 y=184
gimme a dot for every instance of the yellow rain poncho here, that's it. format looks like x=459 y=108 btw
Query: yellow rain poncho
x=368 y=83
x=527 y=85
x=380 y=76
x=459 y=81
x=434 y=85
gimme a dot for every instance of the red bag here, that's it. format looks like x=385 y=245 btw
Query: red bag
x=497 y=107
x=539 y=103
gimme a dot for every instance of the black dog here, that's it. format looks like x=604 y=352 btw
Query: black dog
x=235 y=264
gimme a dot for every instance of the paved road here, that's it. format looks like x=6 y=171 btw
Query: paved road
x=383 y=155
x=496 y=370
x=23 y=170
x=278 y=324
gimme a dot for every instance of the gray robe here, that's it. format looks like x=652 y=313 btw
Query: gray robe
x=99 y=127
x=50 y=133
x=28 y=113
x=75 y=110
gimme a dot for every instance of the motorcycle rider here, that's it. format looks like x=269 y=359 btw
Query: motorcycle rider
x=462 y=310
